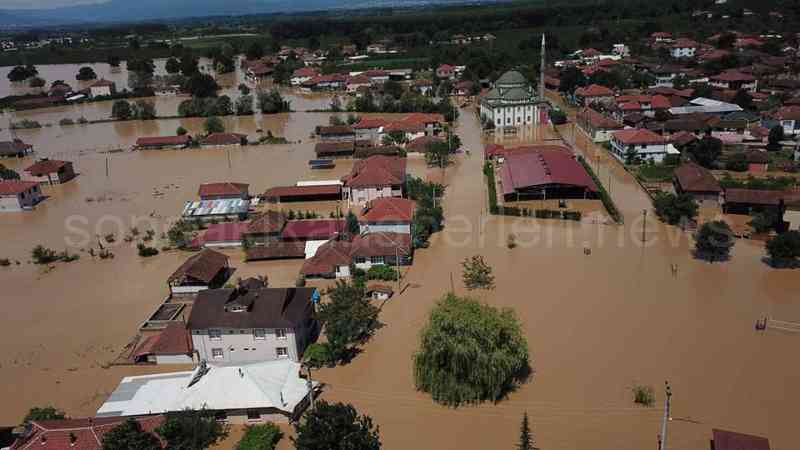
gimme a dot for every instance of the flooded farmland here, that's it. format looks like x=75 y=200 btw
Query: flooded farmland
x=596 y=325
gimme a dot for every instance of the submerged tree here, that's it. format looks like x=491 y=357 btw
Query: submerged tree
x=784 y=249
x=335 y=426
x=349 y=319
x=44 y=413
x=525 y=435
x=477 y=274
x=470 y=352
x=190 y=430
x=129 y=435
x=714 y=240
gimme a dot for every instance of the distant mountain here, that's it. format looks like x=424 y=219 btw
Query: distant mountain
x=144 y=10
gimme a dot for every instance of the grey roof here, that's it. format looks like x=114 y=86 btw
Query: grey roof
x=265 y=308
x=517 y=93
x=493 y=94
x=511 y=77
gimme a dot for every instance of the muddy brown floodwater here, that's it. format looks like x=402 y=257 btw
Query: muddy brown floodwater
x=596 y=324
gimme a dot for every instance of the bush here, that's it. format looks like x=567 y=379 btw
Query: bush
x=604 y=197
x=44 y=413
x=672 y=208
x=477 y=274
x=644 y=395
x=784 y=249
x=382 y=272
x=180 y=131
x=25 y=124
x=145 y=251
x=43 y=255
x=470 y=352
x=335 y=426
x=66 y=121
x=260 y=437
x=511 y=241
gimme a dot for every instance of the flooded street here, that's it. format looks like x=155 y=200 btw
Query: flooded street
x=596 y=325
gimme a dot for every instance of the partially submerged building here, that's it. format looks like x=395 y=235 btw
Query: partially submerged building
x=375 y=177
x=207 y=269
x=49 y=172
x=269 y=391
x=80 y=434
x=544 y=175
x=251 y=323
x=697 y=182
x=16 y=195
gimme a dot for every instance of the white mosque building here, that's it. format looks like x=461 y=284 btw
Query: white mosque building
x=513 y=102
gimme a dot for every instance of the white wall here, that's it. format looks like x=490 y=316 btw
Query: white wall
x=379 y=227
x=187 y=289
x=9 y=204
x=238 y=340
x=174 y=359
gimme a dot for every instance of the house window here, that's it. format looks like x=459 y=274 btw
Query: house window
x=215 y=334
x=281 y=352
x=377 y=260
x=360 y=259
x=280 y=333
x=216 y=353
x=253 y=414
x=259 y=333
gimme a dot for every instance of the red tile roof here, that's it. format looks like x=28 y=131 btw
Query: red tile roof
x=203 y=266
x=388 y=209
x=163 y=141
x=421 y=143
x=729 y=440
x=760 y=196
x=103 y=83
x=268 y=222
x=223 y=139
x=381 y=244
x=46 y=166
x=523 y=170
x=368 y=123
x=694 y=178
x=638 y=136
x=377 y=171
x=733 y=75
x=83 y=434
x=172 y=340
x=787 y=113
x=597 y=120
x=660 y=102
x=305 y=72
x=222 y=232
x=594 y=90
x=16 y=187
x=327 y=257
x=224 y=188
x=313 y=229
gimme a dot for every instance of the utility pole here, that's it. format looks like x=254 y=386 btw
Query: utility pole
x=662 y=438
x=644 y=224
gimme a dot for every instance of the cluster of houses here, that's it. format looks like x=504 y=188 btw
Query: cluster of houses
x=413 y=132
x=26 y=192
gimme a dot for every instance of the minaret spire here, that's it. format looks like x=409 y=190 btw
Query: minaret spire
x=541 y=70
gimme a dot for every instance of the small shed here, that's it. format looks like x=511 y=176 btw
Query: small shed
x=207 y=269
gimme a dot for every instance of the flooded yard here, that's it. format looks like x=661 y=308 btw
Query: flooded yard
x=596 y=324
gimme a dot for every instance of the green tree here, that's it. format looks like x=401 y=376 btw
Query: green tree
x=713 y=241
x=477 y=274
x=8 y=174
x=243 y=89
x=335 y=426
x=144 y=110
x=525 y=435
x=22 y=73
x=437 y=154
x=129 y=435
x=672 y=208
x=121 y=110
x=173 y=66
x=557 y=117
x=272 y=102
x=743 y=99
x=571 y=78
x=180 y=131
x=260 y=437
x=191 y=430
x=317 y=355
x=470 y=352
x=254 y=51
x=36 y=82
x=201 y=85
x=774 y=138
x=705 y=151
x=44 y=413
x=349 y=319
x=352 y=223
x=394 y=137
x=784 y=249
x=244 y=105
x=113 y=61
x=86 y=73
x=214 y=125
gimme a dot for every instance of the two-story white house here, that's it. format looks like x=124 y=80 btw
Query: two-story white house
x=253 y=323
x=375 y=177
x=390 y=214
x=642 y=143
x=683 y=48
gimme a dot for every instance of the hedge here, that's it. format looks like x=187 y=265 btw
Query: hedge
x=604 y=197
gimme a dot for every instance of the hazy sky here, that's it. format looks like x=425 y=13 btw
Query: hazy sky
x=39 y=4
